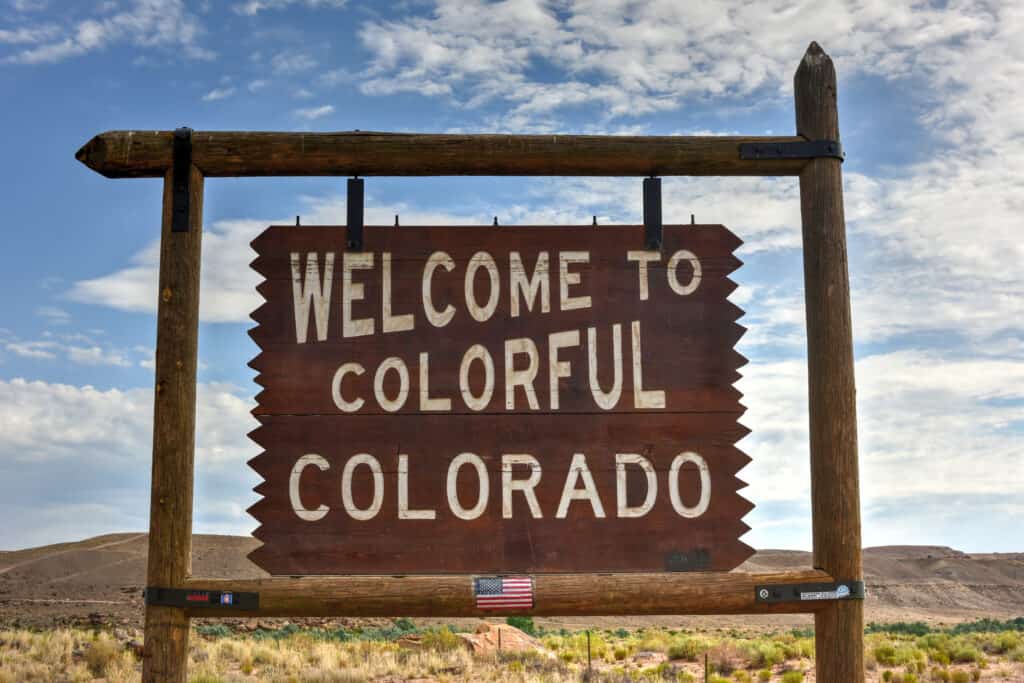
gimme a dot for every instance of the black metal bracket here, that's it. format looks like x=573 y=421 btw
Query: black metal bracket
x=803 y=149
x=652 y=214
x=354 y=206
x=802 y=592
x=180 y=597
x=182 y=180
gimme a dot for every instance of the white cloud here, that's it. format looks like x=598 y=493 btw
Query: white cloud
x=57 y=316
x=257 y=85
x=313 y=113
x=218 y=94
x=23 y=35
x=40 y=350
x=145 y=24
x=101 y=440
x=29 y=5
x=933 y=429
x=94 y=355
x=291 y=62
x=254 y=7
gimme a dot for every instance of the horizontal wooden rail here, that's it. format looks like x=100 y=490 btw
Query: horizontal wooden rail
x=147 y=154
x=556 y=595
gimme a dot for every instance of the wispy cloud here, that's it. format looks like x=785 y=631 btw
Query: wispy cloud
x=218 y=94
x=291 y=62
x=144 y=24
x=313 y=113
x=254 y=7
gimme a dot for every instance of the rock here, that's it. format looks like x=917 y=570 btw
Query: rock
x=135 y=647
x=488 y=637
x=410 y=642
x=646 y=658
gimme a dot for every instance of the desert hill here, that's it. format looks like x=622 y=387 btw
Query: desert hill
x=104 y=576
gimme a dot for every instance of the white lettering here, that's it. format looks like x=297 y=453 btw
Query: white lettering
x=673 y=280
x=565 y=279
x=649 y=399
x=605 y=400
x=437 y=318
x=427 y=403
x=579 y=470
x=391 y=323
x=508 y=484
x=521 y=378
x=642 y=258
x=378 y=487
x=705 y=485
x=453 y=492
x=557 y=368
x=473 y=402
x=482 y=259
x=539 y=282
x=339 y=400
x=403 y=494
x=354 y=291
x=311 y=290
x=621 y=460
x=398 y=365
x=293 y=488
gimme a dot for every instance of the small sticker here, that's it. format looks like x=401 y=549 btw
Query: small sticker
x=763 y=593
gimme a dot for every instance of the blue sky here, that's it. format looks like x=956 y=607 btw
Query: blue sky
x=931 y=114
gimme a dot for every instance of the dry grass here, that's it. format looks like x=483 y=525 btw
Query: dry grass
x=618 y=657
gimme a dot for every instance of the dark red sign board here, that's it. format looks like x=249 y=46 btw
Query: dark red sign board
x=495 y=400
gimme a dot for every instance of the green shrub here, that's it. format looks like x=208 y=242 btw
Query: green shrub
x=764 y=675
x=887 y=676
x=688 y=648
x=741 y=676
x=762 y=654
x=793 y=677
x=966 y=653
x=910 y=677
x=441 y=639
x=524 y=624
x=961 y=677
x=940 y=675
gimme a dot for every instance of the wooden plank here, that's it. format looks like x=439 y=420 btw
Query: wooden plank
x=556 y=595
x=835 y=489
x=316 y=420
x=140 y=154
x=170 y=526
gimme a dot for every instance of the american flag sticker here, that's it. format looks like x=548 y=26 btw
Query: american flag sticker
x=503 y=592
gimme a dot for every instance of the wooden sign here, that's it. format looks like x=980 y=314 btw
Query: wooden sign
x=468 y=400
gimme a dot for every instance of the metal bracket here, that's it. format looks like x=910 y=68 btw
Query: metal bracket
x=181 y=180
x=180 y=597
x=804 y=149
x=652 y=214
x=801 y=592
x=354 y=224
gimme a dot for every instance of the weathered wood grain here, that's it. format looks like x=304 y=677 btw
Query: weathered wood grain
x=687 y=352
x=835 y=489
x=138 y=154
x=556 y=595
x=170 y=525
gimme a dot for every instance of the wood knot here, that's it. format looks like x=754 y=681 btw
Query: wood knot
x=166 y=294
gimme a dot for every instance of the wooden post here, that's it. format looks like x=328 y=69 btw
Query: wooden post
x=835 y=489
x=174 y=421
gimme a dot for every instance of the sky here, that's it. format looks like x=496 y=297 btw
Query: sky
x=931 y=114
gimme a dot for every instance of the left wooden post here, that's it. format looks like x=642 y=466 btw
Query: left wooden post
x=174 y=427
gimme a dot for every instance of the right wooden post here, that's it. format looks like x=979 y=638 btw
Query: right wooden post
x=835 y=488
